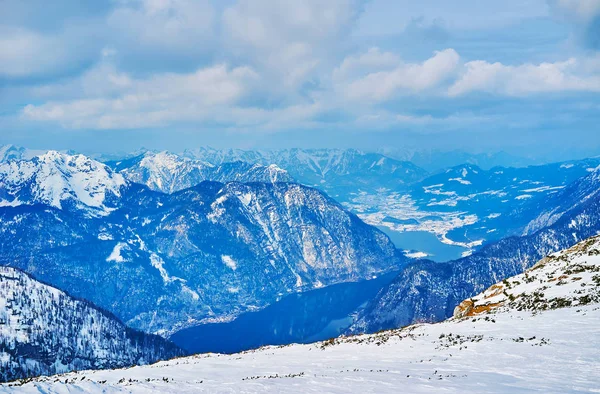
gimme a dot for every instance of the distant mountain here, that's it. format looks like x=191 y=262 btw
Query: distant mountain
x=504 y=199
x=437 y=160
x=566 y=200
x=339 y=172
x=168 y=173
x=57 y=179
x=45 y=331
x=427 y=291
x=12 y=152
x=165 y=261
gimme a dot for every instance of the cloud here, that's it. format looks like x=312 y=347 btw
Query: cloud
x=27 y=53
x=567 y=76
x=580 y=9
x=289 y=39
x=389 y=81
x=119 y=101
x=386 y=120
x=165 y=26
x=585 y=16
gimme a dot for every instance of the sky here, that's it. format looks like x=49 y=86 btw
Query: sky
x=480 y=76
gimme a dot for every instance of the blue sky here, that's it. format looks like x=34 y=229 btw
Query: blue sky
x=521 y=76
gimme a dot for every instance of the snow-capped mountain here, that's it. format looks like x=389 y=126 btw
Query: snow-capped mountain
x=168 y=173
x=155 y=259
x=427 y=291
x=61 y=181
x=240 y=171
x=493 y=344
x=44 y=331
x=163 y=171
x=339 y=172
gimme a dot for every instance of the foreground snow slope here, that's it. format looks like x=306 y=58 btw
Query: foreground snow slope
x=554 y=352
x=534 y=332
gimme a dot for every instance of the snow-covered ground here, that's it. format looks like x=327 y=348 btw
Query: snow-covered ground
x=554 y=351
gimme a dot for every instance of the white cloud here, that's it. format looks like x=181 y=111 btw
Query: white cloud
x=497 y=78
x=288 y=39
x=385 y=119
x=26 y=53
x=163 y=24
x=116 y=100
x=403 y=79
x=583 y=10
x=355 y=66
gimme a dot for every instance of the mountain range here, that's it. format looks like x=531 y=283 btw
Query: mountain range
x=222 y=254
x=338 y=172
x=164 y=261
x=168 y=173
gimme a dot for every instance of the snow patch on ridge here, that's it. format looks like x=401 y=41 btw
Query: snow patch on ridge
x=228 y=261
x=116 y=253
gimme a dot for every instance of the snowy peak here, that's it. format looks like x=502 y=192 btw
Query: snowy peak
x=567 y=278
x=60 y=180
x=45 y=331
x=168 y=173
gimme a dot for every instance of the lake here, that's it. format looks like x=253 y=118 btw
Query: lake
x=423 y=241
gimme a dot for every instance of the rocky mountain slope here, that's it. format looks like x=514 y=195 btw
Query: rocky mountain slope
x=168 y=173
x=208 y=253
x=427 y=291
x=567 y=278
x=45 y=331
x=495 y=344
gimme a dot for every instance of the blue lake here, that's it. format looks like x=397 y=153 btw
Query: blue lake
x=425 y=242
